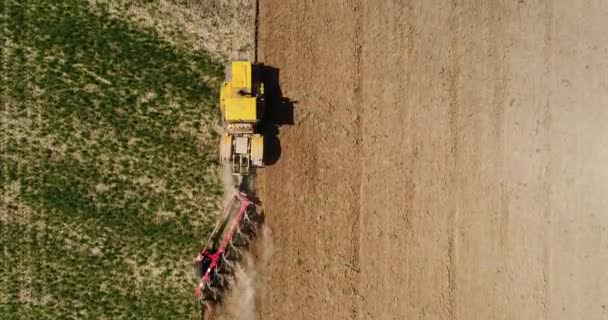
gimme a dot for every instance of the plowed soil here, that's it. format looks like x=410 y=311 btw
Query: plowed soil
x=448 y=160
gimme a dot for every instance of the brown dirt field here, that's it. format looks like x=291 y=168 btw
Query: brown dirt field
x=448 y=160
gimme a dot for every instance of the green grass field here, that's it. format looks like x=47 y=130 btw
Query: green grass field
x=108 y=167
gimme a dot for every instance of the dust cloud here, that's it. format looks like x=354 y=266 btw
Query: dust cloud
x=249 y=283
x=228 y=185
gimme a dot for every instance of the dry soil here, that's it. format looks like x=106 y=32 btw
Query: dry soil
x=449 y=160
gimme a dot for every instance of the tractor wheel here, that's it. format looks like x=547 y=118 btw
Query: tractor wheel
x=226 y=148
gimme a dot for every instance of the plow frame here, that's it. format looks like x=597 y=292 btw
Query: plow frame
x=231 y=228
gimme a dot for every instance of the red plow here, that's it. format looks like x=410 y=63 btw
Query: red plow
x=215 y=264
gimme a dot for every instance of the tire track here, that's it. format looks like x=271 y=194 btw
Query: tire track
x=548 y=168
x=453 y=114
x=357 y=229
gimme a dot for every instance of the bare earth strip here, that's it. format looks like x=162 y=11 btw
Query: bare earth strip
x=312 y=194
x=448 y=160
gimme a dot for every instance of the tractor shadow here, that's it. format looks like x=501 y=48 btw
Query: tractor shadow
x=279 y=112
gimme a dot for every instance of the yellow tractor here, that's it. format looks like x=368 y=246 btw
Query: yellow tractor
x=242 y=105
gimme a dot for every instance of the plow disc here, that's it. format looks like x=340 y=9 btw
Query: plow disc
x=215 y=264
